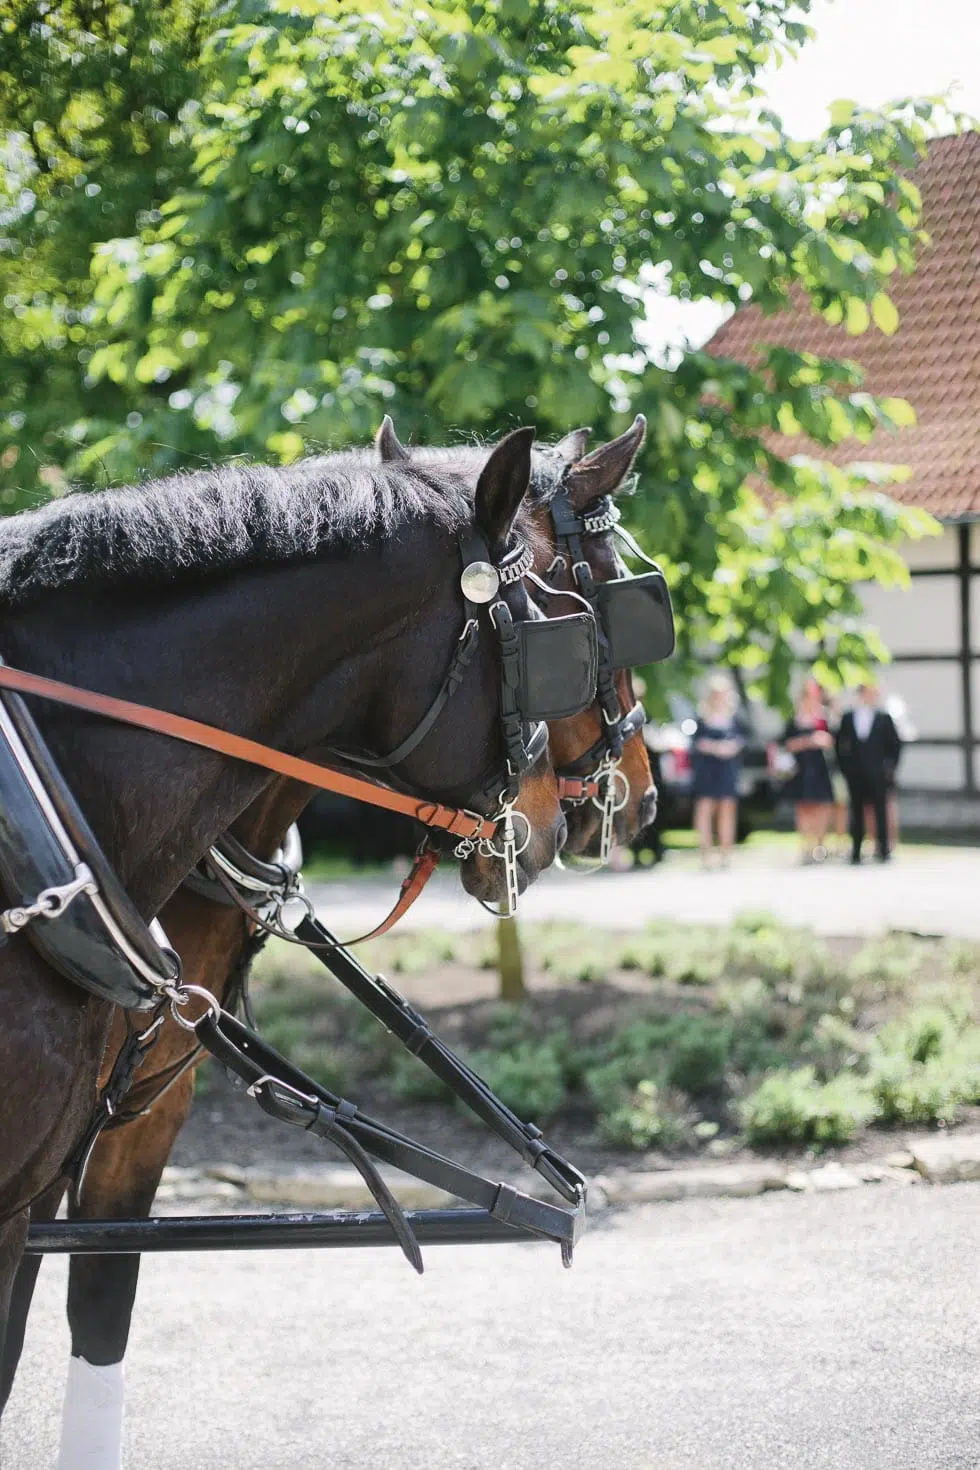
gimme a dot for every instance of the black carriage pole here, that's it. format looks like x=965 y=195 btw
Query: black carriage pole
x=337 y=1230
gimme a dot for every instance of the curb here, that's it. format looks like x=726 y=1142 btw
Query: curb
x=943 y=1159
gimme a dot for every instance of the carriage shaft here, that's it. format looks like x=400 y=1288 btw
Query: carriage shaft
x=295 y=1231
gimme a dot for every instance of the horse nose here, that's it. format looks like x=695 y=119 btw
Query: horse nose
x=648 y=808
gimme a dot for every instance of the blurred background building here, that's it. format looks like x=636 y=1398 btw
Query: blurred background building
x=933 y=360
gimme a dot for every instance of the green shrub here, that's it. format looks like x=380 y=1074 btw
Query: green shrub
x=791 y=1106
x=754 y=921
x=963 y=958
x=411 y=1081
x=530 y=1077
x=923 y=1066
x=909 y=1092
x=650 y=1116
x=507 y=1026
x=887 y=964
x=686 y=1052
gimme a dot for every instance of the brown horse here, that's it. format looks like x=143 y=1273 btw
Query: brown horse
x=289 y=609
x=587 y=480
x=125 y=1168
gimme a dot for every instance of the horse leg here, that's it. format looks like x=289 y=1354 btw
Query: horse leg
x=13 y=1234
x=120 y=1183
x=21 y=1293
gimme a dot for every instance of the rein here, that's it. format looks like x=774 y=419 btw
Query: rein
x=456 y=820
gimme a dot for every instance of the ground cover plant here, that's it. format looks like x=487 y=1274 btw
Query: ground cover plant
x=672 y=1038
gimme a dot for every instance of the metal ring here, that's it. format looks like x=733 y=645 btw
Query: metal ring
x=295 y=896
x=488 y=849
x=612 y=775
x=178 y=997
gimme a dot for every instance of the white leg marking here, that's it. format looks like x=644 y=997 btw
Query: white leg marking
x=91 y=1424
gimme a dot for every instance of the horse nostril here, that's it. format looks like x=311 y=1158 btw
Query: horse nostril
x=648 y=808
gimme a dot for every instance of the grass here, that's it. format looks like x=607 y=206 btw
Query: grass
x=672 y=1036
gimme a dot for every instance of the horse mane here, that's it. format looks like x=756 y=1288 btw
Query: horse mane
x=219 y=521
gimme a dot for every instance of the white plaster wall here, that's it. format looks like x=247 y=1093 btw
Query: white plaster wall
x=936 y=551
x=922 y=618
x=933 y=694
x=932 y=767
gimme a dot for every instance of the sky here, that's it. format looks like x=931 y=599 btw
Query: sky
x=871 y=51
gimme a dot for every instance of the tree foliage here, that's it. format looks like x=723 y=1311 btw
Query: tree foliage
x=254 y=226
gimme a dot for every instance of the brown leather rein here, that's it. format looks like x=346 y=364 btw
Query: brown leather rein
x=455 y=820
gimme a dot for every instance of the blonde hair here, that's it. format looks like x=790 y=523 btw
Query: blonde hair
x=716 y=686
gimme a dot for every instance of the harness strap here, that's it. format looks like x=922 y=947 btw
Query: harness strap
x=568 y=527
x=462 y=657
x=578 y=788
x=288 y=1094
x=412 y=1029
x=630 y=724
x=455 y=820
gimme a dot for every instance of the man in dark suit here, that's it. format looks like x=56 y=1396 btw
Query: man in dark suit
x=868 y=749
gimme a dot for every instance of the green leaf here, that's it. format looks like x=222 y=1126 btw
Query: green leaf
x=856 y=317
x=884 y=314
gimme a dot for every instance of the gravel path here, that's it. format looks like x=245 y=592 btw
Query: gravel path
x=786 y=1332
x=931 y=891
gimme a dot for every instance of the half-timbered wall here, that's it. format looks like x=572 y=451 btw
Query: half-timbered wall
x=933 y=632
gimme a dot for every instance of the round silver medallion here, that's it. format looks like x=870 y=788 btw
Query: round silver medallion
x=480 y=581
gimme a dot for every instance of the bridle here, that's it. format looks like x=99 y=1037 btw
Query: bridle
x=597 y=774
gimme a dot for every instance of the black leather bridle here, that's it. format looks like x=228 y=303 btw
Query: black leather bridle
x=595 y=775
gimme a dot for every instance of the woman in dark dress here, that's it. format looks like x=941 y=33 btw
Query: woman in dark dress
x=808 y=739
x=716 y=750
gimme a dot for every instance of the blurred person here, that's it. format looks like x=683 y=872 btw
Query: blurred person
x=716 y=749
x=808 y=739
x=868 y=752
x=899 y=711
x=840 y=819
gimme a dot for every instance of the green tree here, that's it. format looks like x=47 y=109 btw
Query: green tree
x=253 y=227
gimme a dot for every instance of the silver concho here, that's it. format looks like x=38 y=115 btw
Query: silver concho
x=480 y=581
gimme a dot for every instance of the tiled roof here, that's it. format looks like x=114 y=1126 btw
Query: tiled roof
x=933 y=359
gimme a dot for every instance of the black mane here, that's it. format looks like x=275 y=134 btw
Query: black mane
x=220 y=521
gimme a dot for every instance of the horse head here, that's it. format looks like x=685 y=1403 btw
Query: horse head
x=579 y=743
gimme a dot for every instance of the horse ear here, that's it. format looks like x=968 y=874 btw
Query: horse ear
x=604 y=470
x=502 y=485
x=388 y=444
x=574 y=445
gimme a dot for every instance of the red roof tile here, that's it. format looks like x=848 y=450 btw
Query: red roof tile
x=933 y=359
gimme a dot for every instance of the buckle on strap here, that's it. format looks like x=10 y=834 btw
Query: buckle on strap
x=50 y=902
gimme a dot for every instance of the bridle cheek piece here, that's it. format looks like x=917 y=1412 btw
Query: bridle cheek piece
x=635 y=627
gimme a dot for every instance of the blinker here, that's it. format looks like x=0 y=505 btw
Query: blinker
x=480 y=581
x=637 y=619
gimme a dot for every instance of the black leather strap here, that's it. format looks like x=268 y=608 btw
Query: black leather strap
x=462 y=656
x=569 y=529
x=414 y=1032
x=286 y=1093
x=629 y=725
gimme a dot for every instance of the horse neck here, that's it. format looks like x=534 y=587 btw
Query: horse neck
x=291 y=655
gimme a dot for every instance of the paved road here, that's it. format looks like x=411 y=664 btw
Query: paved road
x=932 y=891
x=786 y=1332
